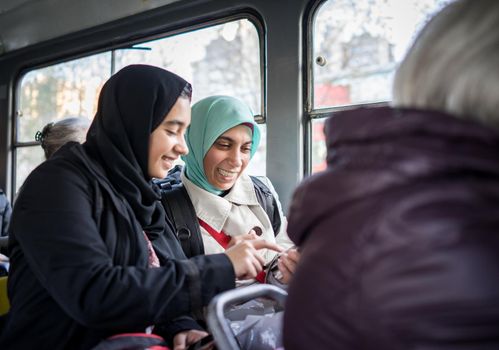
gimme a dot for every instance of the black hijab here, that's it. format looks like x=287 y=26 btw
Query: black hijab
x=132 y=103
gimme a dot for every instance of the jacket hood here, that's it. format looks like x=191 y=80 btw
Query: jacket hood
x=373 y=149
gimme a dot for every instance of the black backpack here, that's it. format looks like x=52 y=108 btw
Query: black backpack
x=181 y=213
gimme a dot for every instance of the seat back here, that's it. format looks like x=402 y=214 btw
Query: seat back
x=4 y=300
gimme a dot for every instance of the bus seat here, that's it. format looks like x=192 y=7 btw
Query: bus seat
x=4 y=300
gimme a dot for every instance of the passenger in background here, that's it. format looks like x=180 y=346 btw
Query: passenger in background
x=56 y=134
x=91 y=252
x=5 y=213
x=51 y=138
x=222 y=139
x=401 y=248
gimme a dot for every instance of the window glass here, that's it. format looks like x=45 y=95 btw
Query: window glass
x=356 y=48
x=221 y=59
x=27 y=159
x=64 y=90
x=257 y=166
x=357 y=45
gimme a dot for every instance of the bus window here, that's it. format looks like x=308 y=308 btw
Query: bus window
x=26 y=159
x=68 y=89
x=356 y=46
x=220 y=59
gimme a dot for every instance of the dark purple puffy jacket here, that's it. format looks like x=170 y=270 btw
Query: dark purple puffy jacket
x=400 y=236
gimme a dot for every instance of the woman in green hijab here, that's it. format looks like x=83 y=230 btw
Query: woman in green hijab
x=222 y=139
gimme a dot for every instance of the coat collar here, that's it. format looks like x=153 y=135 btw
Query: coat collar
x=374 y=150
x=214 y=209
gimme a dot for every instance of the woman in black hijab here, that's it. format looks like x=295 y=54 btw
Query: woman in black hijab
x=91 y=252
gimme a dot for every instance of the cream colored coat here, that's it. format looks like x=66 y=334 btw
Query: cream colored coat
x=236 y=213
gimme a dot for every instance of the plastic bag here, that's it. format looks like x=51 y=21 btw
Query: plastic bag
x=256 y=324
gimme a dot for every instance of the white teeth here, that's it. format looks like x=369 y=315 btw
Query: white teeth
x=226 y=173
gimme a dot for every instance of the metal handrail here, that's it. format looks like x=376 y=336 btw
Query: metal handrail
x=217 y=324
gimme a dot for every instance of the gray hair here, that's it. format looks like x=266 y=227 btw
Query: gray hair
x=453 y=66
x=54 y=135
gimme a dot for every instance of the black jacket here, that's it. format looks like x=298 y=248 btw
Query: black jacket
x=83 y=263
x=400 y=236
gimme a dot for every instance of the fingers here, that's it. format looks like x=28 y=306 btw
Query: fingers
x=294 y=255
x=250 y=272
x=285 y=273
x=233 y=241
x=195 y=335
x=262 y=244
x=252 y=234
x=254 y=261
x=245 y=259
x=183 y=339
x=287 y=264
x=180 y=341
x=261 y=260
x=258 y=263
x=240 y=238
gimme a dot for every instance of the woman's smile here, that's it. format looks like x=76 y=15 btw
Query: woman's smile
x=226 y=175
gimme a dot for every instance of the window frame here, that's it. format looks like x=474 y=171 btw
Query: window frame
x=311 y=113
x=127 y=42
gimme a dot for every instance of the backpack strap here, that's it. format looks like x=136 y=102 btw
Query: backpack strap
x=268 y=203
x=180 y=211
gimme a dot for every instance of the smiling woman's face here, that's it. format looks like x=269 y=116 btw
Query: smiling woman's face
x=167 y=141
x=228 y=157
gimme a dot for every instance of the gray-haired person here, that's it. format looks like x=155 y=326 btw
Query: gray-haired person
x=402 y=252
x=56 y=134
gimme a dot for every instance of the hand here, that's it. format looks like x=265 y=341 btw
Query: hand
x=246 y=237
x=287 y=264
x=182 y=340
x=245 y=259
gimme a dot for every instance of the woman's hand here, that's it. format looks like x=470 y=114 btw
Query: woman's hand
x=245 y=259
x=246 y=237
x=182 y=340
x=287 y=264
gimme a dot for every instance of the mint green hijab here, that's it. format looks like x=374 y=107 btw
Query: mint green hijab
x=211 y=117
